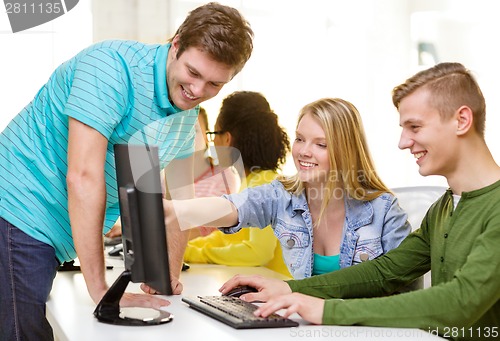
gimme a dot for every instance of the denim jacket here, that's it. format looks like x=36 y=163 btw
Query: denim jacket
x=371 y=228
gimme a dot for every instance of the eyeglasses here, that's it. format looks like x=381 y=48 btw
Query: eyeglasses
x=211 y=134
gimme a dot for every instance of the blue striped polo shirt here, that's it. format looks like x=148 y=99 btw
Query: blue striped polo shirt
x=118 y=88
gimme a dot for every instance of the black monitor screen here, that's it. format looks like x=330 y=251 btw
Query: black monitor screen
x=143 y=229
x=141 y=213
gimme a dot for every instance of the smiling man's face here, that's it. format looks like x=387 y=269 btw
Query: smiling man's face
x=428 y=136
x=194 y=77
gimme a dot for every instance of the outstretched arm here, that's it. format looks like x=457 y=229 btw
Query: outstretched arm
x=210 y=211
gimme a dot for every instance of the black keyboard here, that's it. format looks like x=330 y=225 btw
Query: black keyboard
x=236 y=313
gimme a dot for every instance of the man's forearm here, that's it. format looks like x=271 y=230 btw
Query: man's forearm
x=86 y=224
x=176 y=241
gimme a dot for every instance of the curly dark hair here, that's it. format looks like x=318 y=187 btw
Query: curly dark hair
x=254 y=129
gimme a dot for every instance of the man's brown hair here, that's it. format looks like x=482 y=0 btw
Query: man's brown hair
x=450 y=86
x=218 y=30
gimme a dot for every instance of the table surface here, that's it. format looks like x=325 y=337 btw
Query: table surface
x=70 y=312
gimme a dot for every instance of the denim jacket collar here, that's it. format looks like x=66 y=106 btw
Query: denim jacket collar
x=358 y=213
x=299 y=203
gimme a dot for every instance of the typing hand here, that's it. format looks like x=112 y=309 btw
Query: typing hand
x=308 y=307
x=267 y=287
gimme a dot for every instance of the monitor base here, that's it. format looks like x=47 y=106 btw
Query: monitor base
x=108 y=309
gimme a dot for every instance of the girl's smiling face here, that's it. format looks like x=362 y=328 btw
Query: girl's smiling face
x=310 y=152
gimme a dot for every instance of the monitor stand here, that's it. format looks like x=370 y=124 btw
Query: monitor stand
x=108 y=309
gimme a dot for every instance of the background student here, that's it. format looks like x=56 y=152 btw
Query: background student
x=247 y=124
x=335 y=212
x=57 y=186
x=208 y=178
x=442 y=113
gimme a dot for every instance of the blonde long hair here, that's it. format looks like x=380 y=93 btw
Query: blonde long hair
x=350 y=160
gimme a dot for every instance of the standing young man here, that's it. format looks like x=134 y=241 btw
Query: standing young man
x=442 y=113
x=57 y=185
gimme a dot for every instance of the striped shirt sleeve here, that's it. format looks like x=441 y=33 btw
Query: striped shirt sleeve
x=99 y=91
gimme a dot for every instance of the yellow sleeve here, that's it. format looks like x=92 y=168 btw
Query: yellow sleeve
x=249 y=247
x=195 y=247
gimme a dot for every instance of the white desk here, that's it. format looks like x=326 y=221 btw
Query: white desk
x=70 y=312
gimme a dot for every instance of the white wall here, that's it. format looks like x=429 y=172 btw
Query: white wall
x=357 y=49
x=29 y=57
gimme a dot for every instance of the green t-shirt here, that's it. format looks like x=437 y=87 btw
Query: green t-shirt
x=462 y=248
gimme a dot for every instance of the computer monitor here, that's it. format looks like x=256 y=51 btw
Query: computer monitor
x=143 y=232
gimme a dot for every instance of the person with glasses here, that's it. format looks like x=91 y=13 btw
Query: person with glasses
x=211 y=135
x=209 y=179
x=246 y=124
x=58 y=192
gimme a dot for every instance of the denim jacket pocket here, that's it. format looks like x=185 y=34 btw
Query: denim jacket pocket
x=295 y=245
x=368 y=249
x=292 y=236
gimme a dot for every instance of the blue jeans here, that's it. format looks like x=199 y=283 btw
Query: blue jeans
x=27 y=271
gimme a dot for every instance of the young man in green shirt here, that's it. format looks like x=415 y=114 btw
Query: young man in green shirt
x=442 y=115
